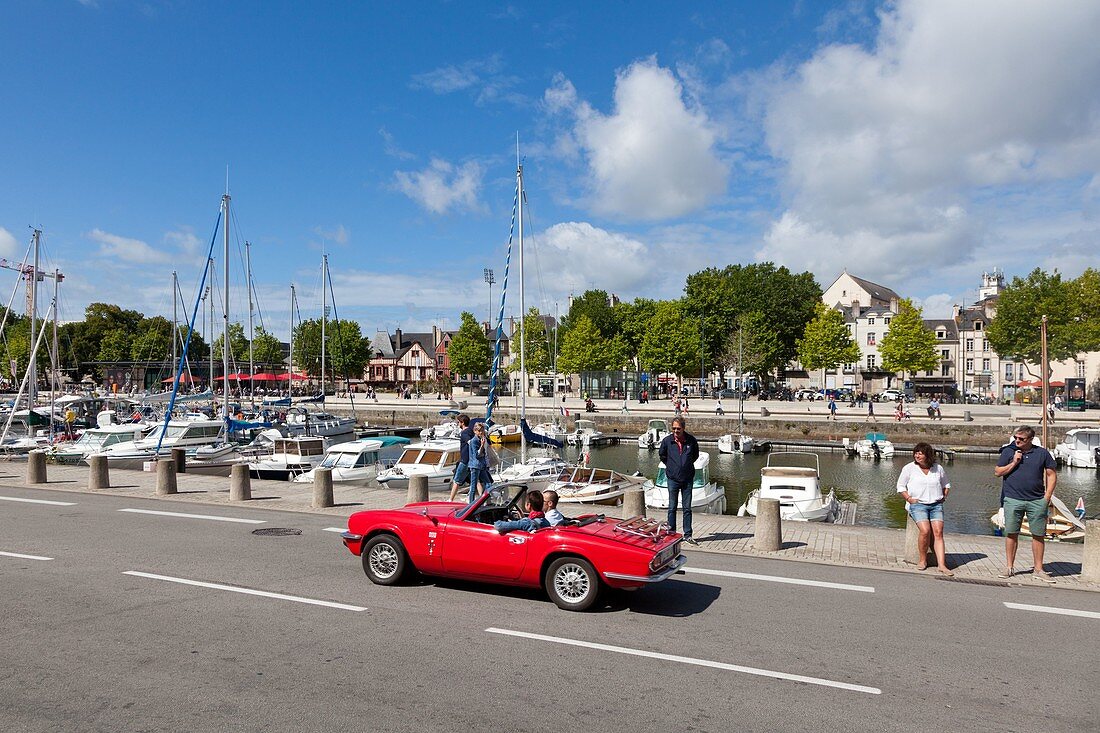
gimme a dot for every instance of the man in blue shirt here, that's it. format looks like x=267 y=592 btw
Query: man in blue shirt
x=1028 y=483
x=679 y=451
x=462 y=470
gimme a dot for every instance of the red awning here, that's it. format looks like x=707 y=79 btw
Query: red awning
x=239 y=377
x=1029 y=383
x=264 y=377
x=184 y=378
x=296 y=377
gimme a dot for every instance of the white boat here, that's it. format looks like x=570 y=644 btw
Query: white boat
x=653 y=434
x=551 y=430
x=584 y=485
x=735 y=443
x=537 y=472
x=446 y=429
x=874 y=445
x=796 y=486
x=96 y=439
x=304 y=422
x=188 y=434
x=1062 y=524
x=218 y=459
x=355 y=462
x=706 y=496
x=435 y=459
x=291 y=457
x=1080 y=448
x=584 y=433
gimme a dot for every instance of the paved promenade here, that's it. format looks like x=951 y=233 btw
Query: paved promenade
x=975 y=558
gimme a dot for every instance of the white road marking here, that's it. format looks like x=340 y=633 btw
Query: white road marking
x=38 y=501
x=25 y=557
x=194 y=516
x=781 y=579
x=246 y=591
x=691 y=660
x=1052 y=609
x=335 y=529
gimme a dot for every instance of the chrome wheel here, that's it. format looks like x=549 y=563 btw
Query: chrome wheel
x=383 y=560
x=572 y=583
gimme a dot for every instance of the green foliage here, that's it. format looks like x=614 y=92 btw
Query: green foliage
x=115 y=346
x=593 y=305
x=761 y=348
x=346 y=352
x=826 y=343
x=909 y=345
x=671 y=343
x=266 y=349
x=633 y=319
x=618 y=354
x=469 y=349
x=153 y=340
x=238 y=345
x=17 y=348
x=536 y=347
x=582 y=348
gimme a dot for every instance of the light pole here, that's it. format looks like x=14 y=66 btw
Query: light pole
x=490 y=278
x=1046 y=383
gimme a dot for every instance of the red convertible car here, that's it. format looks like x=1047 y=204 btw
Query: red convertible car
x=573 y=561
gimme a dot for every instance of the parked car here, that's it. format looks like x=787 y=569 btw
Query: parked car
x=728 y=393
x=571 y=562
x=889 y=395
x=807 y=394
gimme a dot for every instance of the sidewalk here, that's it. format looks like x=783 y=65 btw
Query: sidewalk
x=974 y=558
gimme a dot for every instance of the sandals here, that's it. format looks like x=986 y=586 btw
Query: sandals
x=946 y=573
x=1005 y=574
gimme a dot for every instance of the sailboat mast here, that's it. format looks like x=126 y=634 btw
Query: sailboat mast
x=522 y=312
x=324 y=313
x=225 y=314
x=290 y=375
x=54 y=361
x=175 y=319
x=251 y=330
x=210 y=333
x=32 y=313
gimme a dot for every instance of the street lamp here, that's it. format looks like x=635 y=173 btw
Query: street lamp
x=1046 y=383
x=490 y=278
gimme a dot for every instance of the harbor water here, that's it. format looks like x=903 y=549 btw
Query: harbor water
x=974 y=496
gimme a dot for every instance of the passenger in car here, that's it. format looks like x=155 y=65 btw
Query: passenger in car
x=550 y=506
x=534 y=519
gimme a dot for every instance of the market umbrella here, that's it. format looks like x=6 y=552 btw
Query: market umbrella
x=239 y=377
x=296 y=377
x=1029 y=383
x=264 y=377
x=184 y=378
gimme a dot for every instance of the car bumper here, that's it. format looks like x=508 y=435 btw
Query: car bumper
x=669 y=570
x=353 y=542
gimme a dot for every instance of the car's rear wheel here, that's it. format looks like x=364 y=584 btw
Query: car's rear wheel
x=572 y=583
x=384 y=560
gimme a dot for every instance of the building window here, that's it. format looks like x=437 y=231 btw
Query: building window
x=970 y=344
x=977 y=325
x=849 y=328
x=871 y=359
x=928 y=373
x=886 y=321
x=941 y=335
x=945 y=370
x=1009 y=377
x=945 y=354
x=969 y=366
x=871 y=338
x=870 y=321
x=985 y=365
x=1081 y=369
x=985 y=345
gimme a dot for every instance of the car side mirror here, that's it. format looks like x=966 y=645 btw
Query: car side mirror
x=424 y=513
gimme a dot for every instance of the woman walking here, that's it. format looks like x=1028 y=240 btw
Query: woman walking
x=924 y=486
x=480 y=479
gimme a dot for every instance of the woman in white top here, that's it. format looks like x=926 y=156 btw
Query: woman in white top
x=924 y=486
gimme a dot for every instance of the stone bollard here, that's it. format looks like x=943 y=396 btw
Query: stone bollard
x=98 y=478
x=1090 y=562
x=764 y=411
x=322 y=488
x=769 y=526
x=967 y=417
x=418 y=489
x=633 y=503
x=240 y=484
x=166 y=477
x=36 y=467
x=912 y=543
x=179 y=455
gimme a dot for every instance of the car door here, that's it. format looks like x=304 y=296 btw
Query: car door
x=475 y=549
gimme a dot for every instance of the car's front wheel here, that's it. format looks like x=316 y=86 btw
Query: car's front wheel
x=384 y=560
x=572 y=583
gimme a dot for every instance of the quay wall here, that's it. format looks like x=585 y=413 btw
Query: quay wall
x=947 y=433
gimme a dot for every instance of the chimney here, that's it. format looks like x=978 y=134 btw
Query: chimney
x=397 y=336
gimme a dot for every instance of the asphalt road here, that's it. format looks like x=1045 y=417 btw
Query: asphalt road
x=85 y=646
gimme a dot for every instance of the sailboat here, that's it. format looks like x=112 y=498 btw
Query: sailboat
x=738 y=442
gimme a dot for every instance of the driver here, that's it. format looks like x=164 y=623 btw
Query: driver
x=535 y=519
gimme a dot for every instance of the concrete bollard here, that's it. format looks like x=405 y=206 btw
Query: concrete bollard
x=418 y=489
x=179 y=455
x=633 y=503
x=769 y=526
x=912 y=543
x=240 y=484
x=36 y=467
x=166 y=477
x=98 y=478
x=764 y=411
x=322 y=488
x=1090 y=562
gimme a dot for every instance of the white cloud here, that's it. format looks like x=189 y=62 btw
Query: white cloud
x=653 y=157
x=185 y=240
x=338 y=234
x=896 y=155
x=125 y=251
x=937 y=305
x=8 y=245
x=441 y=186
x=482 y=77
x=576 y=256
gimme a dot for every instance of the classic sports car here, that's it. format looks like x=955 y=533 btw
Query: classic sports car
x=572 y=561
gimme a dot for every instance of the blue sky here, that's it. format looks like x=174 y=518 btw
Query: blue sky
x=915 y=143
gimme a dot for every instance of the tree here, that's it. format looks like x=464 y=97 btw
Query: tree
x=153 y=340
x=593 y=305
x=114 y=347
x=582 y=348
x=761 y=349
x=671 y=343
x=238 y=344
x=266 y=349
x=469 y=349
x=826 y=343
x=909 y=345
x=346 y=351
x=617 y=353
x=536 y=347
x=633 y=319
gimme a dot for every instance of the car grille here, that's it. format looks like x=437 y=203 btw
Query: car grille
x=665 y=556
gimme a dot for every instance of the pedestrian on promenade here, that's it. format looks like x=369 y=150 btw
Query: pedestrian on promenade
x=1028 y=483
x=871 y=410
x=924 y=486
x=718 y=406
x=480 y=478
x=679 y=450
x=832 y=409
x=462 y=470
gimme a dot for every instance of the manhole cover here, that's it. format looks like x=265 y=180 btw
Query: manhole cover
x=277 y=532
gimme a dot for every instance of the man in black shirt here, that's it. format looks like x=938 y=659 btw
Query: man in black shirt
x=462 y=470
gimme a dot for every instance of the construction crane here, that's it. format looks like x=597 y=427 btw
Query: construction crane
x=27 y=272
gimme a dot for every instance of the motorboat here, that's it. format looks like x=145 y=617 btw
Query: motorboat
x=706 y=496
x=447 y=428
x=551 y=430
x=96 y=439
x=584 y=485
x=304 y=422
x=584 y=433
x=218 y=459
x=1080 y=448
x=1062 y=524
x=795 y=480
x=873 y=445
x=505 y=434
x=435 y=459
x=735 y=443
x=354 y=462
x=653 y=434
x=537 y=472
x=292 y=456
x=187 y=434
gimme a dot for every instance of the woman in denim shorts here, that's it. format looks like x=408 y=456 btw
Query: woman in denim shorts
x=924 y=486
